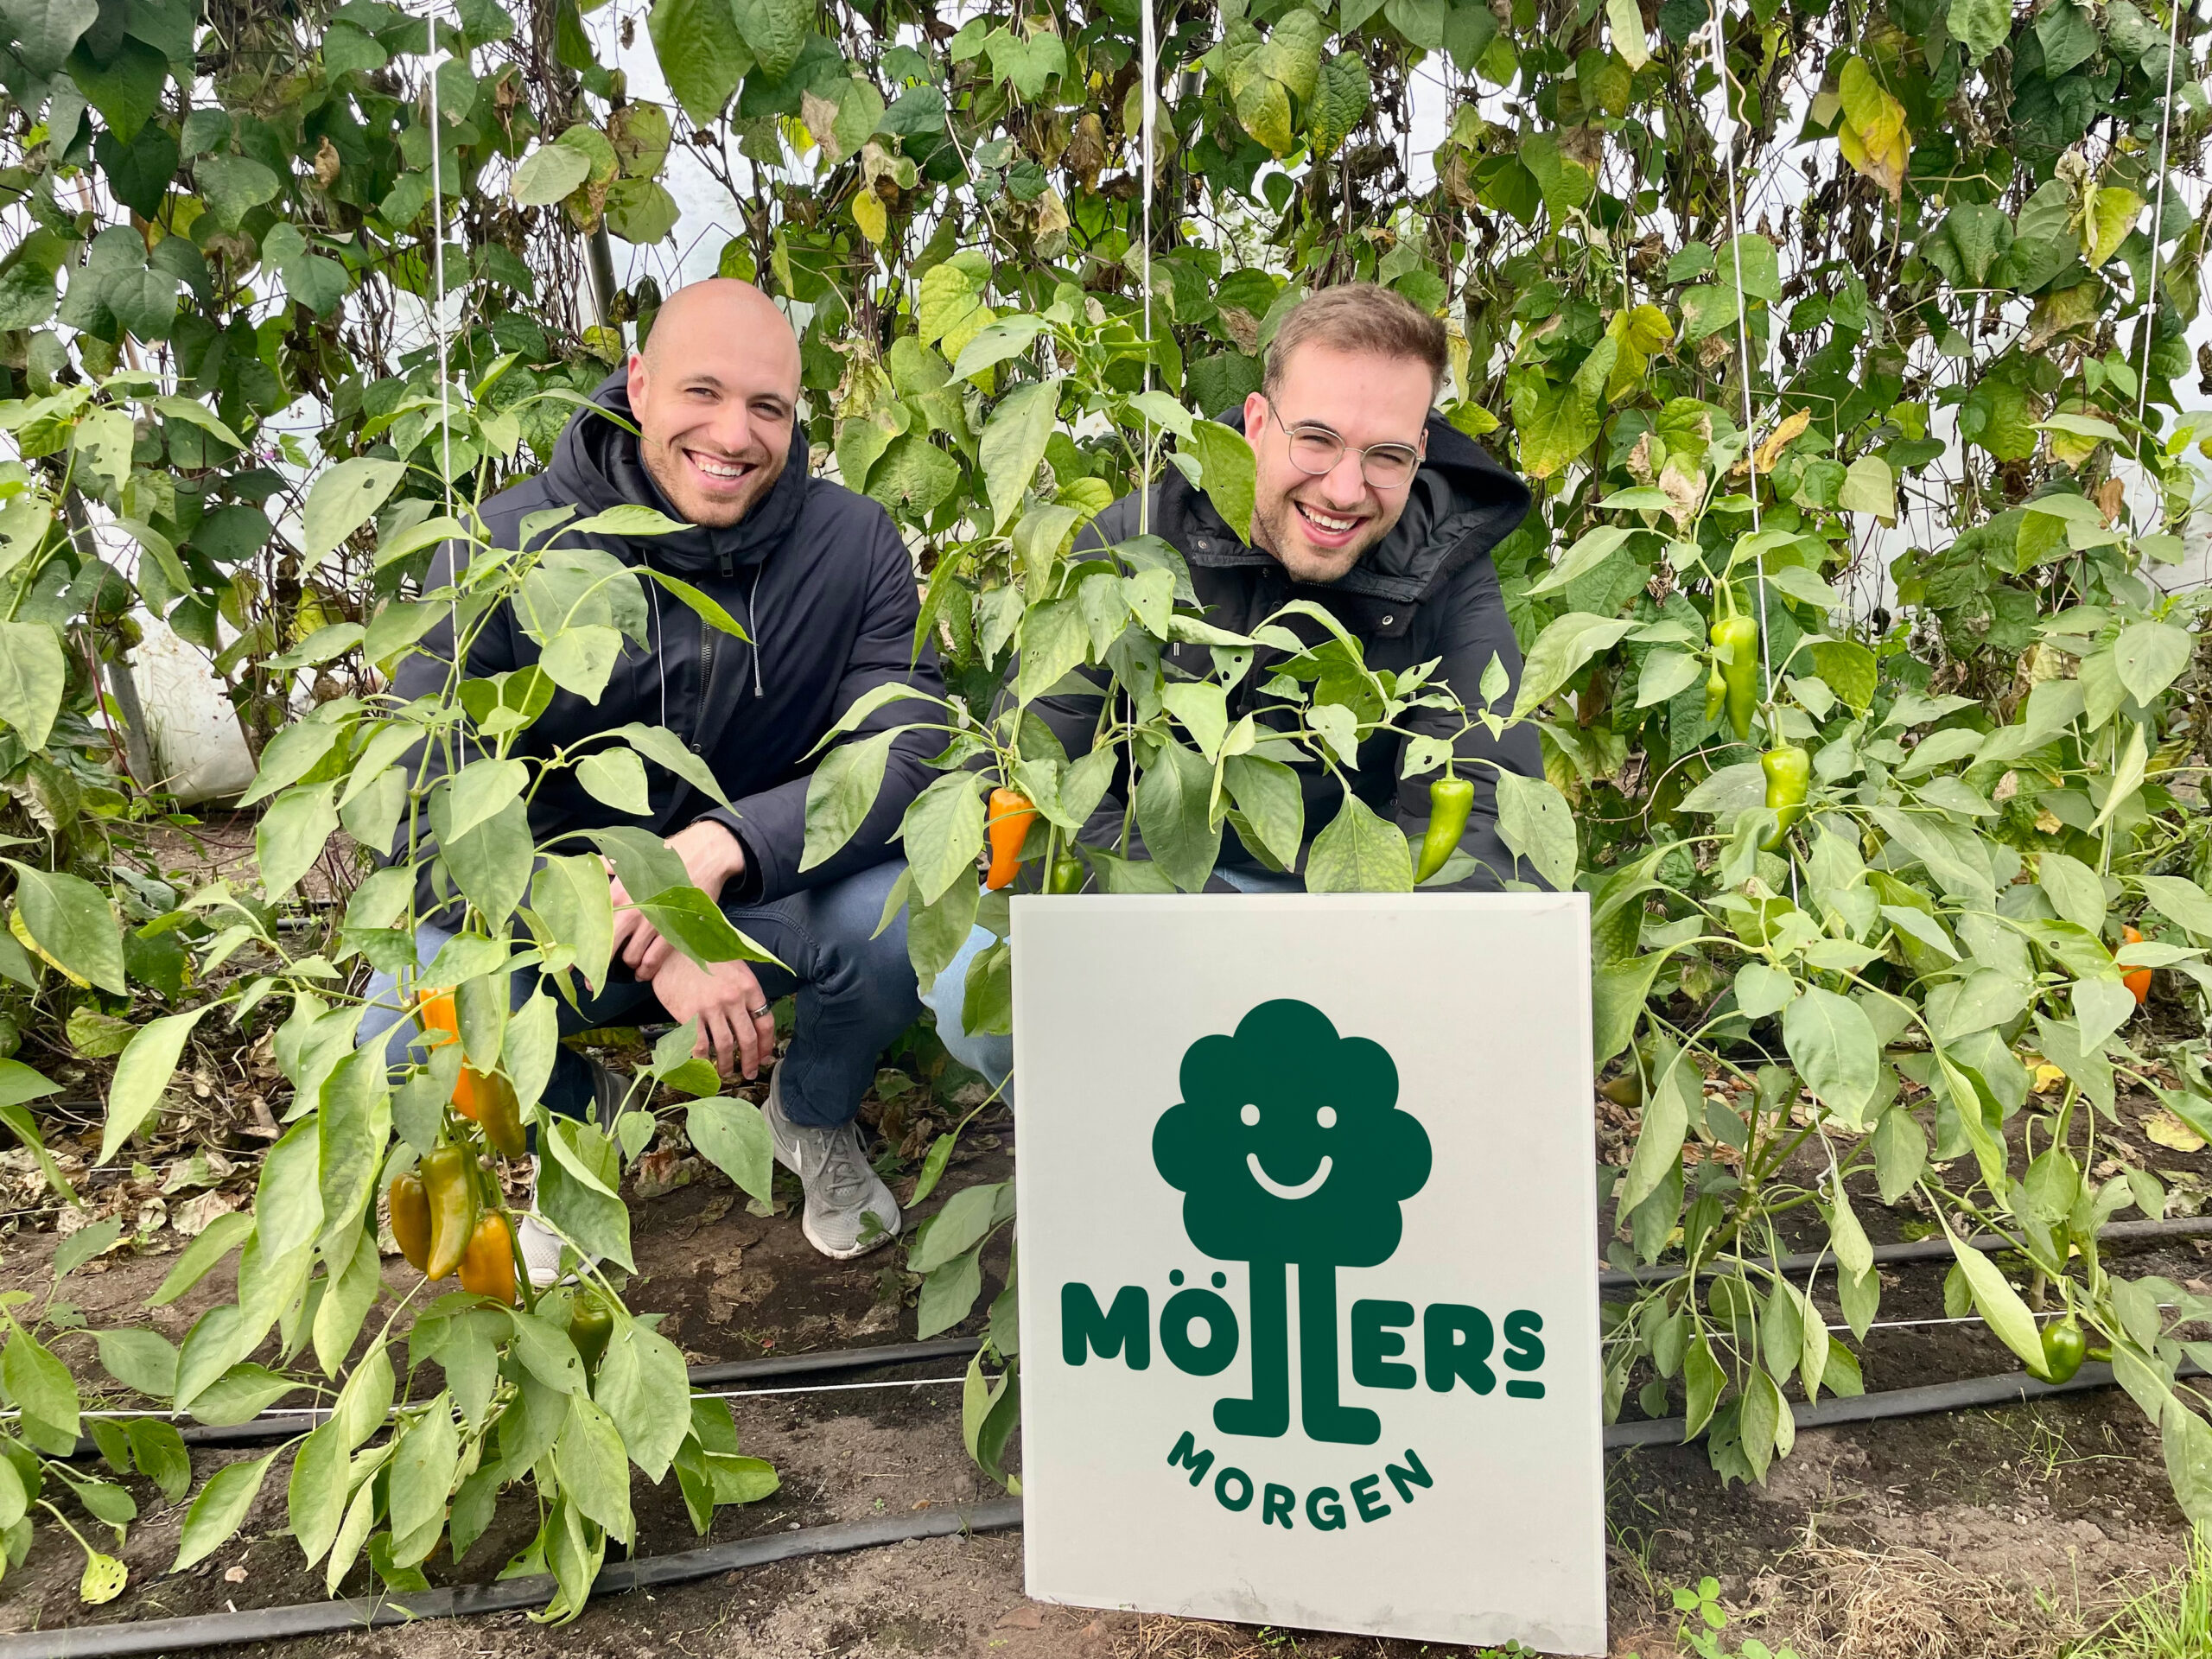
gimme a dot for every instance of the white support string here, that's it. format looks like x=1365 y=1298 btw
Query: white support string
x=1150 y=54
x=1743 y=334
x=438 y=263
x=2157 y=224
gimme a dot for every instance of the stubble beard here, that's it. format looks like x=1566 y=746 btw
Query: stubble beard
x=1273 y=529
x=665 y=465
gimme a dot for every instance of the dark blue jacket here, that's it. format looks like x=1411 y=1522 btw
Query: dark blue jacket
x=825 y=590
x=1426 y=591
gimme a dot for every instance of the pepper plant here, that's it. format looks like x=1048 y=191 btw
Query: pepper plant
x=520 y=1404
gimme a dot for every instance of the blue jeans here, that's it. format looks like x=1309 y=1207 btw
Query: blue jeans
x=993 y=1055
x=855 y=995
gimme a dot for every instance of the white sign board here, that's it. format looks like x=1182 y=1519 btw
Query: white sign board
x=1308 y=1275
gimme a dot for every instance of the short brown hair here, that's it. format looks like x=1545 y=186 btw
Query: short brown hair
x=1359 y=317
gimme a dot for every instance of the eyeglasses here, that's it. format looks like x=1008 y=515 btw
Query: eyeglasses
x=1315 y=450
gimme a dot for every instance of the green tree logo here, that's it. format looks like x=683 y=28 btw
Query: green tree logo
x=1288 y=1146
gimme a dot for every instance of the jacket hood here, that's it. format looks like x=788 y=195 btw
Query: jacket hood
x=1461 y=504
x=596 y=466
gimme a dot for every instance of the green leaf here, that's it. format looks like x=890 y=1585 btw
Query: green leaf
x=1659 y=1143
x=222 y=1236
x=2149 y=656
x=45 y=30
x=1228 y=474
x=220 y=1510
x=775 y=30
x=73 y=923
x=343 y=499
x=141 y=1075
x=34 y=675
x=38 y=1382
x=1537 y=824
x=701 y=55
x=1173 y=812
x=1267 y=792
x=595 y=1471
x=948 y=1295
x=316 y=1497
x=943 y=831
x=1559 y=423
x=1999 y=1303
x=158 y=1449
x=81 y=1246
x=140 y=1358
x=1847 y=669
x=419 y=1478
x=841 y=793
x=1980 y=26
x=643 y=1389
x=1561 y=651
x=1358 y=852
x=232 y=187
x=293 y=833
x=1618 y=991
x=615 y=777
x=732 y=1136
x=1833 y=1047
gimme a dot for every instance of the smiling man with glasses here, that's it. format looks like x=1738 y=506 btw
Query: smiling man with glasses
x=1370 y=505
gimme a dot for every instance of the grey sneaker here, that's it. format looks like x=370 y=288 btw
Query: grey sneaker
x=849 y=1211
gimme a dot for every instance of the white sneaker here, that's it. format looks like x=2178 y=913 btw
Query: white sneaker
x=541 y=1245
x=849 y=1211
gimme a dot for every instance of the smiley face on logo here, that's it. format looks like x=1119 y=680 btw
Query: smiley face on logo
x=1288 y=1145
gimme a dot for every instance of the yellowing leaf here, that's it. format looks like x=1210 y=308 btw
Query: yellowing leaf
x=2107 y=215
x=1872 y=132
x=1626 y=21
x=2049 y=1077
x=2170 y=1132
x=1780 y=439
x=868 y=214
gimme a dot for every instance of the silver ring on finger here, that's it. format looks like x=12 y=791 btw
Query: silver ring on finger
x=757 y=1013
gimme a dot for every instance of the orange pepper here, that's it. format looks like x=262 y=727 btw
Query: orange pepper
x=483 y=1098
x=487 y=1268
x=1008 y=823
x=2138 y=981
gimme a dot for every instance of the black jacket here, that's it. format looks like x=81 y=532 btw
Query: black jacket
x=1427 y=590
x=824 y=588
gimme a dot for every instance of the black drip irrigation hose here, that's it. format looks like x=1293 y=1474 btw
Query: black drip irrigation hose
x=510 y=1595
x=2012 y=1388
x=1924 y=1249
x=283 y=1425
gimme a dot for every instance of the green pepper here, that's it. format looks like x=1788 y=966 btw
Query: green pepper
x=1736 y=647
x=448 y=1183
x=1449 y=800
x=1788 y=769
x=591 y=1326
x=1067 y=875
x=2064 y=1347
x=1716 y=693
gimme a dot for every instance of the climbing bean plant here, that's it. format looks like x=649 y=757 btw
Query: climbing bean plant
x=1870 y=324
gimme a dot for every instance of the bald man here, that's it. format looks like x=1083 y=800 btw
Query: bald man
x=825 y=590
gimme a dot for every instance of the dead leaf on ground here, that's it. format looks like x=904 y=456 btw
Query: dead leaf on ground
x=2171 y=1133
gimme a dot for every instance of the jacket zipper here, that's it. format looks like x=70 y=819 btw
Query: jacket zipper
x=707 y=673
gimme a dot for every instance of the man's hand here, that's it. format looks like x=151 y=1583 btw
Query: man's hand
x=713 y=857
x=735 y=1022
